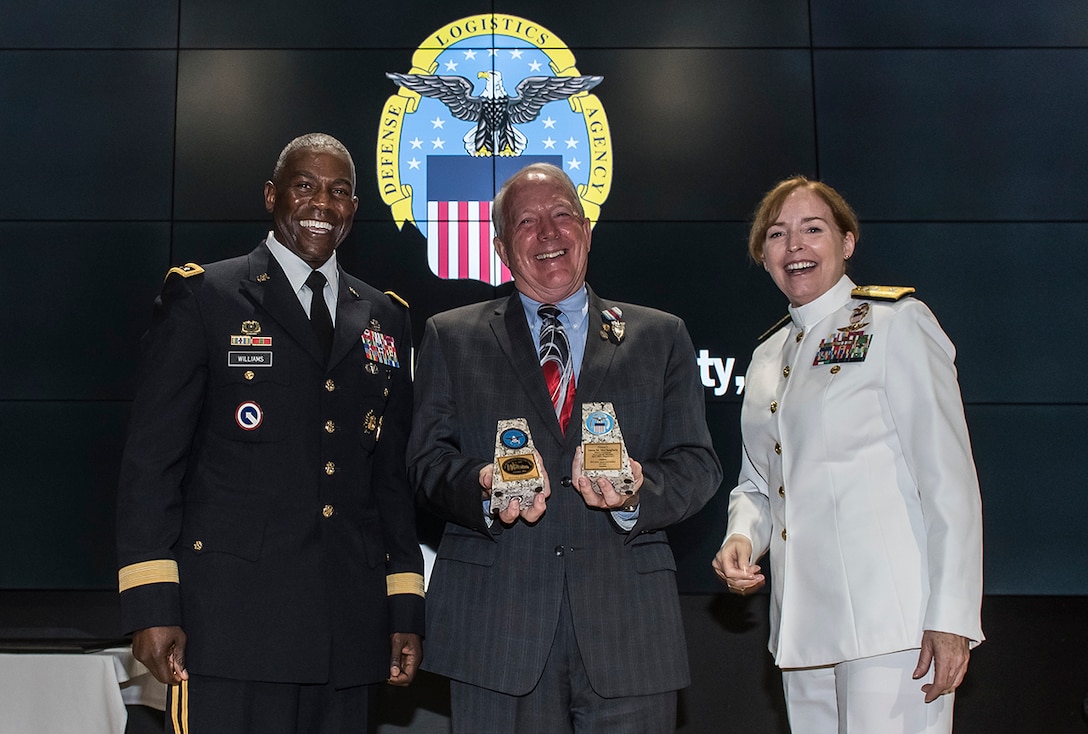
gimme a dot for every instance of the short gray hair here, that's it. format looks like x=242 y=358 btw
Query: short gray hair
x=313 y=141
x=498 y=206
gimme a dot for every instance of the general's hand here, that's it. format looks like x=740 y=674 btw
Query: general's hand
x=732 y=564
x=406 y=657
x=514 y=510
x=948 y=653
x=602 y=495
x=162 y=650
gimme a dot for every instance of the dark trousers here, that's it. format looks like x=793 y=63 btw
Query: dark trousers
x=563 y=701
x=208 y=705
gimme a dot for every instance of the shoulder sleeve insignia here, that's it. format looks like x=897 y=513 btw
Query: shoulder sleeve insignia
x=882 y=292
x=778 y=325
x=187 y=270
x=397 y=298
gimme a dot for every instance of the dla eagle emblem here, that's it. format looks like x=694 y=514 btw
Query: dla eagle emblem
x=455 y=132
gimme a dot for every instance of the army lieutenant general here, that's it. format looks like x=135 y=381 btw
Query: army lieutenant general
x=266 y=535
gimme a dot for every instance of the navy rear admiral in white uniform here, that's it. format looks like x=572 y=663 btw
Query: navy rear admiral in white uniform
x=857 y=477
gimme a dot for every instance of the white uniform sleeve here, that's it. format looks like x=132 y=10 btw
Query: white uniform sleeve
x=927 y=410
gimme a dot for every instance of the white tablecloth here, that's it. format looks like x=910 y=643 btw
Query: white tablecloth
x=73 y=694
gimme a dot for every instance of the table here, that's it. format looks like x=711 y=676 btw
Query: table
x=61 y=693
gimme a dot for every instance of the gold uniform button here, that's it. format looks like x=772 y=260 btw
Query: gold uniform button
x=330 y=468
x=786 y=371
x=330 y=385
x=249 y=375
x=330 y=427
x=774 y=406
x=781 y=491
x=327 y=510
x=835 y=370
x=783 y=533
x=385 y=393
x=778 y=449
x=198 y=545
x=800 y=336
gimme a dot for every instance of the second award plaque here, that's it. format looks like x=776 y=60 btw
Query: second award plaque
x=516 y=475
x=604 y=453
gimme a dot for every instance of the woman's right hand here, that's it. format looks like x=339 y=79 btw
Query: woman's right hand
x=732 y=564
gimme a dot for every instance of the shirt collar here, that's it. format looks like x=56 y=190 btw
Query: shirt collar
x=825 y=305
x=574 y=308
x=298 y=270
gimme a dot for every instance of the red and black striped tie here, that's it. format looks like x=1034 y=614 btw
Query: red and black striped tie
x=556 y=362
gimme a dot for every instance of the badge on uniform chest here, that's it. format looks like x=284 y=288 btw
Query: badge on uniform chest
x=250 y=337
x=849 y=343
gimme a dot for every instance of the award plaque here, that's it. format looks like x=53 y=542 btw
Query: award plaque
x=603 y=452
x=516 y=475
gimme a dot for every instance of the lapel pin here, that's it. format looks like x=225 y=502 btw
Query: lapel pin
x=614 y=327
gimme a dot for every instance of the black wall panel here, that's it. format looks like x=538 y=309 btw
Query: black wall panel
x=87 y=134
x=959 y=135
x=994 y=287
x=278 y=24
x=82 y=341
x=1029 y=459
x=234 y=108
x=138 y=136
x=654 y=24
x=60 y=462
x=699 y=134
x=959 y=24
x=56 y=24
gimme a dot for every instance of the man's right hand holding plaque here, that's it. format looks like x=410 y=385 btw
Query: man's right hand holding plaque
x=516 y=482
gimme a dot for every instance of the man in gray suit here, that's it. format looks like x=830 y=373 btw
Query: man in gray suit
x=561 y=615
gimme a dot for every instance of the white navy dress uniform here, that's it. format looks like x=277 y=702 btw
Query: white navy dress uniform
x=857 y=476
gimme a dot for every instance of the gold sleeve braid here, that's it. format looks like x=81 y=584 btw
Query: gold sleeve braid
x=148 y=572
x=404 y=583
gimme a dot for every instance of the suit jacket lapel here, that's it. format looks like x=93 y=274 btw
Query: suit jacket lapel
x=269 y=288
x=598 y=356
x=352 y=317
x=512 y=332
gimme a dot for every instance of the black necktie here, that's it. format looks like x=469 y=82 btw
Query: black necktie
x=319 y=311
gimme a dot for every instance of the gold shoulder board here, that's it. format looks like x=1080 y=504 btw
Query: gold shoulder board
x=187 y=270
x=397 y=298
x=882 y=292
x=778 y=325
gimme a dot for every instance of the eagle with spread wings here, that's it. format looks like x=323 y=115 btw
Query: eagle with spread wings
x=494 y=111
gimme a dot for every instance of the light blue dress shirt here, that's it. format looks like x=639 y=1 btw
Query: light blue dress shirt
x=298 y=270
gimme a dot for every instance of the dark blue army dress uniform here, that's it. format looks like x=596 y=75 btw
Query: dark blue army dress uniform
x=263 y=501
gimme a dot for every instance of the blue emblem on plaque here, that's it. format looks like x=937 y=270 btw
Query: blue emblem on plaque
x=599 y=423
x=514 y=438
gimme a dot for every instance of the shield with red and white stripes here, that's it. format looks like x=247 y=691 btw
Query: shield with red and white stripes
x=459 y=229
x=459 y=242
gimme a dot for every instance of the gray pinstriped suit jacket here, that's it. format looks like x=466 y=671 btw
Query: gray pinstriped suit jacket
x=495 y=593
